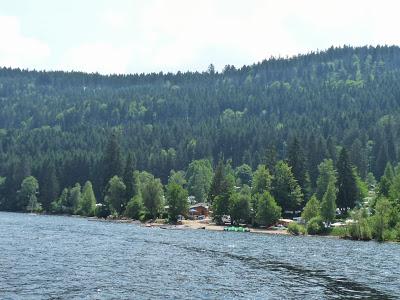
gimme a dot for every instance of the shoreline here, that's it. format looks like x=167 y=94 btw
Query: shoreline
x=196 y=225
x=186 y=225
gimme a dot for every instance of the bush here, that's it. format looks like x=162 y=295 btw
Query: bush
x=397 y=230
x=339 y=231
x=134 y=208
x=295 y=228
x=389 y=235
x=102 y=211
x=315 y=226
x=361 y=230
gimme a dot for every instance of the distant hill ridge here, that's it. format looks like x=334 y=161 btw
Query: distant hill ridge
x=342 y=97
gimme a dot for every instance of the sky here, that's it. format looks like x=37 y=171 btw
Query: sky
x=142 y=36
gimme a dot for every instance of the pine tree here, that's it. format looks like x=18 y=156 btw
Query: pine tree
x=112 y=162
x=327 y=173
x=386 y=180
x=297 y=162
x=128 y=177
x=285 y=189
x=217 y=182
x=346 y=183
x=261 y=180
x=268 y=211
x=49 y=186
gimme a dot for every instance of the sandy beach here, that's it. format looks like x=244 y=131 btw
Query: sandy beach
x=194 y=224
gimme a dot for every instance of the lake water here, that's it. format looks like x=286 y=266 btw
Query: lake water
x=54 y=257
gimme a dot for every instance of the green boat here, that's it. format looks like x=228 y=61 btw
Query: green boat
x=236 y=228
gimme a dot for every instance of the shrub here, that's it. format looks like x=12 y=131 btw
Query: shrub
x=339 y=231
x=134 y=208
x=397 y=230
x=361 y=230
x=315 y=226
x=102 y=211
x=296 y=229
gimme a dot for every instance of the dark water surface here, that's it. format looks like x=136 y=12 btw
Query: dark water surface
x=52 y=257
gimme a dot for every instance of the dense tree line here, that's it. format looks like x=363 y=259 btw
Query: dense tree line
x=282 y=117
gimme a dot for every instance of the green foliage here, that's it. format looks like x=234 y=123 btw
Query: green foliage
x=297 y=162
x=362 y=187
x=177 y=177
x=261 y=180
x=135 y=208
x=217 y=184
x=285 y=188
x=115 y=194
x=128 y=176
x=394 y=190
x=50 y=187
x=347 y=186
x=152 y=195
x=296 y=229
x=112 y=162
x=177 y=201
x=59 y=206
x=27 y=194
x=87 y=203
x=380 y=221
x=312 y=209
x=74 y=198
x=67 y=128
x=386 y=180
x=199 y=176
x=327 y=173
x=268 y=211
x=239 y=208
x=244 y=174
x=220 y=208
x=340 y=231
x=328 y=205
x=360 y=229
x=315 y=226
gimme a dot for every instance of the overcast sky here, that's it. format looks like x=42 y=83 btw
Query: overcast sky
x=135 y=36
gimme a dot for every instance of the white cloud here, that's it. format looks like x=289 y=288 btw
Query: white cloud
x=158 y=35
x=18 y=50
x=115 y=19
x=97 y=57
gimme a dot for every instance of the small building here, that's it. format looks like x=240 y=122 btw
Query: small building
x=198 y=209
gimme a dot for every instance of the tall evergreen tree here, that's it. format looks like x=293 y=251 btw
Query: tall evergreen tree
x=49 y=186
x=216 y=187
x=286 y=190
x=346 y=183
x=128 y=177
x=386 y=180
x=112 y=162
x=327 y=174
x=297 y=161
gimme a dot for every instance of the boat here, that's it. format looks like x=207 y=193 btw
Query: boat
x=236 y=229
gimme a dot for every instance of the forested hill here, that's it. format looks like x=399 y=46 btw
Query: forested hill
x=60 y=122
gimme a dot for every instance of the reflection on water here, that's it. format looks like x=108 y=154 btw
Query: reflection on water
x=65 y=257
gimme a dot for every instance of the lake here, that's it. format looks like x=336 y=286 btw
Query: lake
x=55 y=257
